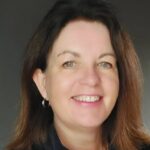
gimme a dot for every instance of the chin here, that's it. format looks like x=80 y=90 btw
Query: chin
x=90 y=124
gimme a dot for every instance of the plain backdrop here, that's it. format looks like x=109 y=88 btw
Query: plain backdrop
x=19 y=19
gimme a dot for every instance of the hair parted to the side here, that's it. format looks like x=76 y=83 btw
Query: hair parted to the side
x=123 y=129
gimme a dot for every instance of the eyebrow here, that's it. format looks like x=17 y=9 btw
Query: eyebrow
x=107 y=54
x=68 y=52
x=77 y=55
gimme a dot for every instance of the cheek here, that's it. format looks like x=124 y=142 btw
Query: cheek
x=59 y=86
x=111 y=80
x=112 y=83
x=111 y=90
x=59 y=90
x=111 y=86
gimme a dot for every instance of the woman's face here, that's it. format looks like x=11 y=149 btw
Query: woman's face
x=81 y=81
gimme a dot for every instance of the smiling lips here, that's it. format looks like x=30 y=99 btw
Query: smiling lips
x=87 y=99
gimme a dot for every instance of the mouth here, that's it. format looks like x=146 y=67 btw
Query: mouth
x=87 y=98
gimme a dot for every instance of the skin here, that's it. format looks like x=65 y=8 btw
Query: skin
x=82 y=63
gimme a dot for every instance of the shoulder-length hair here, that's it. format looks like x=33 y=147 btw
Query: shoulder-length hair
x=123 y=128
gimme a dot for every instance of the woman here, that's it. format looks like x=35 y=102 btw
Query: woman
x=81 y=83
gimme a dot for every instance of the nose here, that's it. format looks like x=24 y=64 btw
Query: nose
x=90 y=77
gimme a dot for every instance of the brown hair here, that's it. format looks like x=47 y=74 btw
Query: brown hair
x=123 y=129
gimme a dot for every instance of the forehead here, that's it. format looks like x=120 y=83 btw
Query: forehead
x=88 y=35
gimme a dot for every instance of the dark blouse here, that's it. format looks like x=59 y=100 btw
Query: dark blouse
x=54 y=143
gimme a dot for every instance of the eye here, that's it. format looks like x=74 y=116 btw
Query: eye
x=105 y=65
x=69 y=64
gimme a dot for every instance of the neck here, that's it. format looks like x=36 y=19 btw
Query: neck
x=75 y=138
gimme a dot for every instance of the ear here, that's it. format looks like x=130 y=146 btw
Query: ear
x=40 y=80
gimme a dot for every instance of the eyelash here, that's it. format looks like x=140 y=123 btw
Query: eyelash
x=69 y=64
x=105 y=65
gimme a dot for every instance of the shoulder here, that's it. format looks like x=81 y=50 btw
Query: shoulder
x=37 y=147
x=146 y=147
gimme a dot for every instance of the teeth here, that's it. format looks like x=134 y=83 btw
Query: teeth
x=87 y=98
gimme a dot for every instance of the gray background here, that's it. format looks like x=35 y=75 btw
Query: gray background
x=18 y=20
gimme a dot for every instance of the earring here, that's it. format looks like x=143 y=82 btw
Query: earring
x=44 y=103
